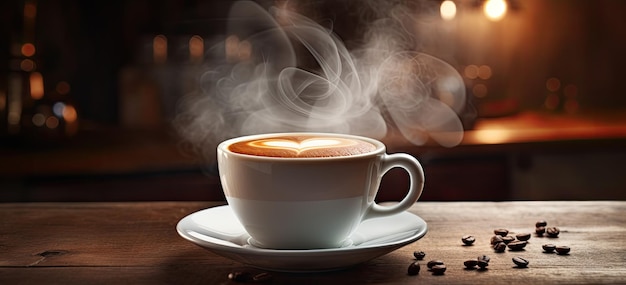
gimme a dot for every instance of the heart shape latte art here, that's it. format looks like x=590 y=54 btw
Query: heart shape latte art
x=303 y=146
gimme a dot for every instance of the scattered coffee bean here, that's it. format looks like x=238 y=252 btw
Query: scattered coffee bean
x=523 y=236
x=470 y=263
x=562 y=249
x=501 y=232
x=482 y=264
x=438 y=269
x=414 y=268
x=517 y=245
x=419 y=255
x=499 y=247
x=496 y=239
x=262 y=277
x=549 y=248
x=541 y=223
x=540 y=231
x=553 y=231
x=483 y=257
x=468 y=240
x=508 y=239
x=240 y=276
x=432 y=263
x=520 y=261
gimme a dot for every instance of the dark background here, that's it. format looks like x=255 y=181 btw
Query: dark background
x=125 y=148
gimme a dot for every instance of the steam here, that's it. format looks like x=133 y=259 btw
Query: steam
x=264 y=87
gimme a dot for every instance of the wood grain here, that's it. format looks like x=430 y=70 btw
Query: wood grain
x=112 y=243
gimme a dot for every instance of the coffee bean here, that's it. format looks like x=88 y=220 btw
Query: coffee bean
x=501 y=232
x=262 y=277
x=523 y=236
x=414 y=268
x=541 y=223
x=540 y=231
x=432 y=263
x=562 y=249
x=499 y=247
x=483 y=258
x=549 y=248
x=419 y=255
x=496 y=239
x=508 y=239
x=553 y=231
x=240 y=276
x=517 y=245
x=470 y=263
x=438 y=269
x=482 y=264
x=520 y=261
x=468 y=240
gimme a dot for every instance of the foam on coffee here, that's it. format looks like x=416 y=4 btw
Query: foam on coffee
x=303 y=146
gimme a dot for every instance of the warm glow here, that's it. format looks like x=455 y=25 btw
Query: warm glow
x=447 y=10
x=479 y=90
x=52 y=122
x=492 y=136
x=36 y=85
x=553 y=84
x=495 y=9
x=27 y=65
x=471 y=71
x=63 y=88
x=231 y=47
x=159 y=49
x=28 y=49
x=484 y=72
x=196 y=49
x=69 y=114
x=237 y=50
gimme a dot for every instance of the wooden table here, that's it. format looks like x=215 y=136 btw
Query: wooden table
x=136 y=243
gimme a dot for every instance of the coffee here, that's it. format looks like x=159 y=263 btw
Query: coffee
x=302 y=146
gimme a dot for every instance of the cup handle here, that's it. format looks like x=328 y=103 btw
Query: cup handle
x=416 y=176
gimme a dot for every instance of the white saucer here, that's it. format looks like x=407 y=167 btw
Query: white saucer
x=218 y=230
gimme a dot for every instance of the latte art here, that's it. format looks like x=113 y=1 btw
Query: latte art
x=303 y=146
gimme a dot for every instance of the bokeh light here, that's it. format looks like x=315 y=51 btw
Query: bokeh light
x=69 y=114
x=28 y=49
x=159 y=49
x=471 y=71
x=447 y=10
x=39 y=119
x=36 y=85
x=480 y=90
x=553 y=84
x=27 y=65
x=196 y=48
x=484 y=72
x=52 y=122
x=495 y=9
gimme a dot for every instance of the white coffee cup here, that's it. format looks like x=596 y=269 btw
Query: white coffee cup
x=309 y=202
